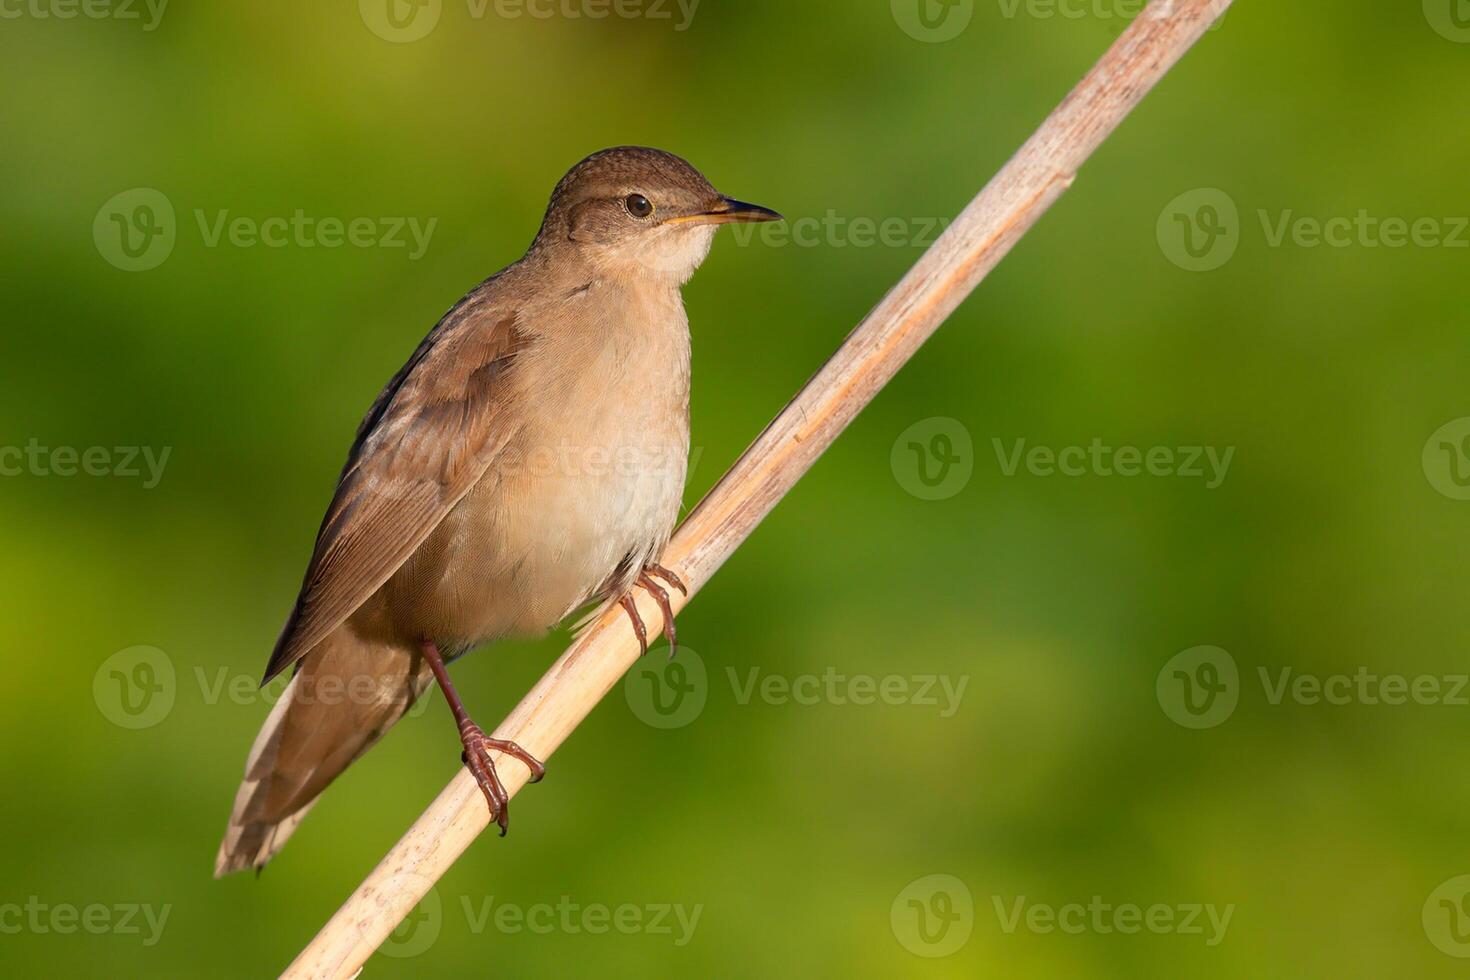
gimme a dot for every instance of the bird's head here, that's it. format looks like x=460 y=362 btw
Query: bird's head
x=634 y=211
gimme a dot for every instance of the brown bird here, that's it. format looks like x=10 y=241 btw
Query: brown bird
x=527 y=461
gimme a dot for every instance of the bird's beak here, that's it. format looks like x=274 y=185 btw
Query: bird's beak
x=729 y=211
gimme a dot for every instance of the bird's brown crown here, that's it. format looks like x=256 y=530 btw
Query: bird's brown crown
x=628 y=169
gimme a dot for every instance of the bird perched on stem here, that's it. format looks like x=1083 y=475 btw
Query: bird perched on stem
x=527 y=461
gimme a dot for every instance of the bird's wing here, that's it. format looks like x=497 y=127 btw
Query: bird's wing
x=427 y=440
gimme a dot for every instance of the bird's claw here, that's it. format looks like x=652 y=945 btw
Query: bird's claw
x=476 y=757
x=668 y=577
x=639 y=630
x=661 y=596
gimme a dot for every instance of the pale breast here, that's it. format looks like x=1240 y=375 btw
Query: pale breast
x=590 y=484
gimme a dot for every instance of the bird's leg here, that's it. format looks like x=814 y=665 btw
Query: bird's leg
x=478 y=745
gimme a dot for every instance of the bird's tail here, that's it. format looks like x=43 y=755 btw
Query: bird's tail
x=346 y=694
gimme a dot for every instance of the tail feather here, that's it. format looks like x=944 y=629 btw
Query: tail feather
x=347 y=693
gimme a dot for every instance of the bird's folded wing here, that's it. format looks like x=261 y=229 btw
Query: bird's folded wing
x=426 y=441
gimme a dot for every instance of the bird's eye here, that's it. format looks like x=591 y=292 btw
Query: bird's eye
x=639 y=206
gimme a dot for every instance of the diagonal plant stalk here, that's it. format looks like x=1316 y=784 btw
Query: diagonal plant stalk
x=947 y=273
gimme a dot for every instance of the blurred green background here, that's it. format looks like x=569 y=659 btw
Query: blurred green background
x=811 y=839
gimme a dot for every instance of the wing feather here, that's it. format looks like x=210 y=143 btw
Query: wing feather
x=425 y=442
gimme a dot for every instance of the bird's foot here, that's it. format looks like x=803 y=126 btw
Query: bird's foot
x=639 y=630
x=668 y=577
x=477 y=749
x=661 y=596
